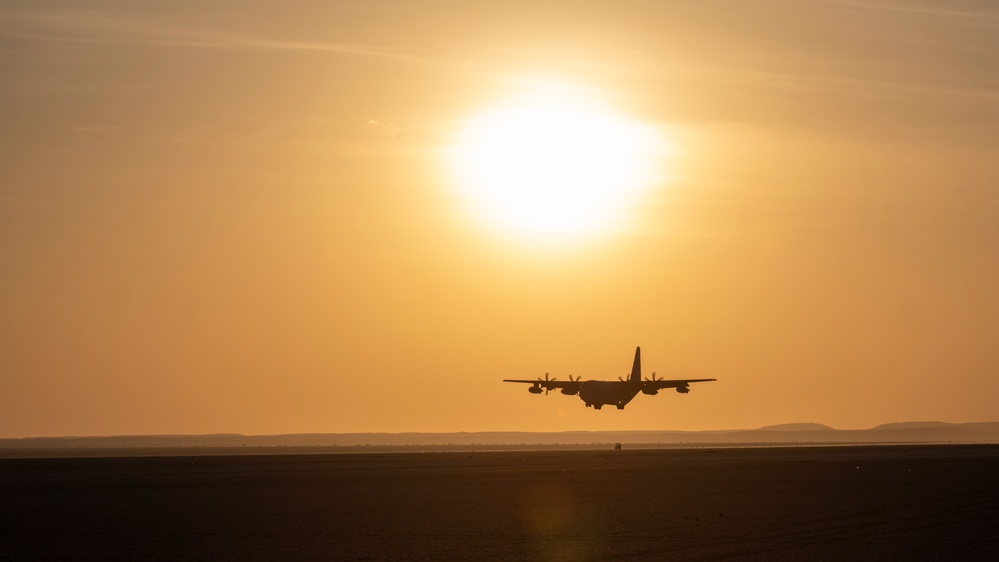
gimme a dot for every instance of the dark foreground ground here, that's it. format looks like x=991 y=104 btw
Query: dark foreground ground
x=831 y=503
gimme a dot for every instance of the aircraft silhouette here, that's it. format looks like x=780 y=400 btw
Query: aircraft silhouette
x=618 y=393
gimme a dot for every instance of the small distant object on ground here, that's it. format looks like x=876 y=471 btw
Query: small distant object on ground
x=617 y=446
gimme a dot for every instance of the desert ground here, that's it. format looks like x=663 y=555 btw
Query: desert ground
x=911 y=502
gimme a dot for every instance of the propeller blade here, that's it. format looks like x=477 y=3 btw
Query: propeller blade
x=546 y=380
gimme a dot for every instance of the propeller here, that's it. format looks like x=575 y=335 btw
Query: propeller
x=577 y=379
x=651 y=389
x=546 y=380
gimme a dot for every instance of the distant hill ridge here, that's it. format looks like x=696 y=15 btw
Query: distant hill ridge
x=798 y=427
x=983 y=426
x=793 y=433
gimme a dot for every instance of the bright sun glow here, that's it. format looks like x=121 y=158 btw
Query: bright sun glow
x=554 y=161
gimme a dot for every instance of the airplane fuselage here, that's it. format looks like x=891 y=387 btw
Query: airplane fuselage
x=598 y=393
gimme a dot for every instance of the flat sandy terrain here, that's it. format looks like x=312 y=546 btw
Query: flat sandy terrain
x=828 y=503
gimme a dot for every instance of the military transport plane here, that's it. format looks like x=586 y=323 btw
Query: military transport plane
x=618 y=393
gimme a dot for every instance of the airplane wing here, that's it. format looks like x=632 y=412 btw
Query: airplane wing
x=681 y=385
x=549 y=384
x=552 y=384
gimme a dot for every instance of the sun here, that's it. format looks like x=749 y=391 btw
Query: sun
x=555 y=161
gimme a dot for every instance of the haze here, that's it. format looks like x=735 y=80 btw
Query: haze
x=238 y=217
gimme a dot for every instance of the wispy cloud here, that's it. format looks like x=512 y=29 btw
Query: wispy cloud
x=95 y=129
x=100 y=28
x=988 y=16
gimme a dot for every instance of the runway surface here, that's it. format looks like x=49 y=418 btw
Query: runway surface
x=824 y=503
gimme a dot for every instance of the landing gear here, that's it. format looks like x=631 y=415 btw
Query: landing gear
x=597 y=406
x=620 y=406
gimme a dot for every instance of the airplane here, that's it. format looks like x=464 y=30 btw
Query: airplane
x=600 y=393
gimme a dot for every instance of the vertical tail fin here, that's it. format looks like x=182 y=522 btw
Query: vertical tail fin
x=636 y=369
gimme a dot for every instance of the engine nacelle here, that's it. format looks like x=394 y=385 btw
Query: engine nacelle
x=534 y=390
x=651 y=391
x=683 y=389
x=570 y=391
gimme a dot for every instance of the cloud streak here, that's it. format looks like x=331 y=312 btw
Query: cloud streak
x=114 y=30
x=963 y=16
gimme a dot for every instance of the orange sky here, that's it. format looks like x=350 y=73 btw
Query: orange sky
x=236 y=217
